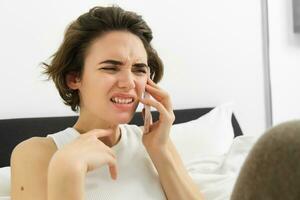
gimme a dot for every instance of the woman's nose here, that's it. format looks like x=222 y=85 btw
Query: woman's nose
x=126 y=80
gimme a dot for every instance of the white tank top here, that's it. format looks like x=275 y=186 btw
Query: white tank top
x=137 y=176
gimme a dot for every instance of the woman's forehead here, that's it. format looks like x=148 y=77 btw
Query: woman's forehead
x=119 y=45
x=123 y=57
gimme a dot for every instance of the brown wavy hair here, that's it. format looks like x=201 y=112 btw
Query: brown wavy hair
x=80 y=34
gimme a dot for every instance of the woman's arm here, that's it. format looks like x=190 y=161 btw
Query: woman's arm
x=174 y=178
x=173 y=175
x=64 y=181
x=29 y=163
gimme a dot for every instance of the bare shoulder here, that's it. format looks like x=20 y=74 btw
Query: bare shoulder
x=29 y=165
x=35 y=147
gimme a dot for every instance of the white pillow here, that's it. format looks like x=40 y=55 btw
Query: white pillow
x=210 y=134
x=4 y=182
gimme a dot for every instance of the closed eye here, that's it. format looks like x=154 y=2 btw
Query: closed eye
x=142 y=71
x=110 y=68
x=116 y=69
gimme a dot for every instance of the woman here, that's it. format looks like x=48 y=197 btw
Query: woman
x=101 y=70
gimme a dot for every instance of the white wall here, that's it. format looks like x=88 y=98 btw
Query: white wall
x=212 y=51
x=284 y=61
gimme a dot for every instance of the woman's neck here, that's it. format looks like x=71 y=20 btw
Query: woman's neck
x=83 y=126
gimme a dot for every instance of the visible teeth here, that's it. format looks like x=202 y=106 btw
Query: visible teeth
x=122 y=100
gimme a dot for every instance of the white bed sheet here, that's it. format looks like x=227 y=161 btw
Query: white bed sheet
x=4 y=183
x=216 y=175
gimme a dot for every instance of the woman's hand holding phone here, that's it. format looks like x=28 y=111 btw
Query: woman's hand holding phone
x=157 y=136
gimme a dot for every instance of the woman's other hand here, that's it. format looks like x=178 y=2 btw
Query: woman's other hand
x=86 y=153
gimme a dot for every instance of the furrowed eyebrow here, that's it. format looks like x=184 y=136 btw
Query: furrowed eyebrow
x=140 y=65
x=116 y=62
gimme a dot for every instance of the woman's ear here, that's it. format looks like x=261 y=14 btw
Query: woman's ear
x=73 y=80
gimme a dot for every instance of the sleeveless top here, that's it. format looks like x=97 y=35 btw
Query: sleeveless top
x=137 y=177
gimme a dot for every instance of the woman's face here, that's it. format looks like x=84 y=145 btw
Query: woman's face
x=114 y=75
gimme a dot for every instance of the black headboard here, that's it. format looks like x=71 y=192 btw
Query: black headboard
x=14 y=131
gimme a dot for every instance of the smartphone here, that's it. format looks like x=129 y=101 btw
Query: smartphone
x=147 y=116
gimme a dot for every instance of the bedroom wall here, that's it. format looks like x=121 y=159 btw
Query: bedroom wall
x=212 y=52
x=284 y=61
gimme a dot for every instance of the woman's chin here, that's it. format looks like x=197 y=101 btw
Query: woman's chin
x=123 y=118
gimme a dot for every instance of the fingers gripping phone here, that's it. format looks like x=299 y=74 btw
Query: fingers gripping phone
x=147 y=111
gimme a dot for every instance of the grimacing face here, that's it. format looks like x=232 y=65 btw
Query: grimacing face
x=115 y=69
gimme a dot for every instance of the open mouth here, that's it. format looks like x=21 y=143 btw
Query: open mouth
x=118 y=100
